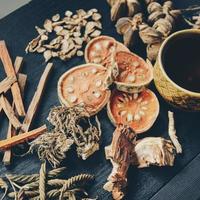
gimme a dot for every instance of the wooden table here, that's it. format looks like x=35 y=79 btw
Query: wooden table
x=169 y=183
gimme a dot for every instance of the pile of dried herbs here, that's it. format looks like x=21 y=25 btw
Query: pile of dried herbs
x=46 y=185
x=69 y=34
x=70 y=126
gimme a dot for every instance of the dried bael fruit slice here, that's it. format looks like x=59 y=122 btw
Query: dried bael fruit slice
x=139 y=111
x=84 y=85
x=98 y=50
x=134 y=73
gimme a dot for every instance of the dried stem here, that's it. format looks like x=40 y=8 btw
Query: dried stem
x=172 y=132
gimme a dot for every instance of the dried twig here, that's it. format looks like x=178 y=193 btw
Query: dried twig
x=36 y=99
x=7 y=63
x=8 y=143
x=172 y=133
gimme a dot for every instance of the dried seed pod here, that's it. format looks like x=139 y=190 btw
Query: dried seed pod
x=149 y=35
x=153 y=7
x=118 y=9
x=123 y=24
x=163 y=26
x=56 y=18
x=130 y=37
x=152 y=51
x=48 y=25
x=153 y=17
x=47 y=55
x=96 y=33
x=96 y=16
x=40 y=30
x=133 y=7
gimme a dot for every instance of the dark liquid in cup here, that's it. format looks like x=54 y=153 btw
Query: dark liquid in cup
x=181 y=59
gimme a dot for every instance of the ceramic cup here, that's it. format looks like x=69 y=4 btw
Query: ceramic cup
x=169 y=90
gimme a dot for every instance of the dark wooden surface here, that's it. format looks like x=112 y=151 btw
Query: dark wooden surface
x=179 y=182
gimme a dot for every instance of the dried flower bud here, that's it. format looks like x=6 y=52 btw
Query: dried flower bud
x=149 y=35
x=153 y=7
x=123 y=24
x=133 y=7
x=163 y=26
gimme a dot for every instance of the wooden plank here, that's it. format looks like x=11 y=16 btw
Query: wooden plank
x=8 y=143
x=11 y=130
x=185 y=185
x=36 y=99
x=7 y=108
x=6 y=84
x=9 y=69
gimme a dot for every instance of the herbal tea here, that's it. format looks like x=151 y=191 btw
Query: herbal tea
x=181 y=60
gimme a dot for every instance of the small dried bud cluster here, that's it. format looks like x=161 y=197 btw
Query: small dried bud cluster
x=152 y=31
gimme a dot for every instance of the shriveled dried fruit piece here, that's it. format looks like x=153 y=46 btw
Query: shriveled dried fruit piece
x=138 y=111
x=120 y=153
x=154 y=151
x=134 y=73
x=82 y=79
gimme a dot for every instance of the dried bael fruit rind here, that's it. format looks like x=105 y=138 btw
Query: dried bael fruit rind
x=139 y=110
x=84 y=85
x=134 y=73
x=154 y=151
x=98 y=50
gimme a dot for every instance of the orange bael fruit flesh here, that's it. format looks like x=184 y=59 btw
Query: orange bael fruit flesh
x=138 y=110
x=84 y=85
x=98 y=49
x=134 y=73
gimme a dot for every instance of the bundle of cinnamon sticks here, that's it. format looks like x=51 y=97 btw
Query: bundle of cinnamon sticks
x=19 y=120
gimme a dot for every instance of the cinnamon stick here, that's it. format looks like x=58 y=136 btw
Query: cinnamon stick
x=9 y=112
x=8 y=66
x=11 y=130
x=7 y=83
x=36 y=99
x=8 y=143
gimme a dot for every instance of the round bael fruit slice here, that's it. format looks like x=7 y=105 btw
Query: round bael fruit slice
x=134 y=73
x=84 y=85
x=98 y=49
x=138 y=110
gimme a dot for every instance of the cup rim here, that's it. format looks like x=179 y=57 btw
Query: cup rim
x=197 y=94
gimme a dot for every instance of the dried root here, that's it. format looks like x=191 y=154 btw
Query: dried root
x=70 y=34
x=67 y=131
x=121 y=156
x=51 y=146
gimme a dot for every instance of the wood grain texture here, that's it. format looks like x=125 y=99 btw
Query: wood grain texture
x=32 y=109
x=5 y=85
x=9 y=69
x=21 y=138
x=143 y=183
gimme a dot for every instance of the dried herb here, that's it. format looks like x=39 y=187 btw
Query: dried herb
x=67 y=130
x=43 y=185
x=70 y=34
x=4 y=186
